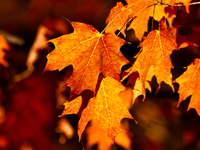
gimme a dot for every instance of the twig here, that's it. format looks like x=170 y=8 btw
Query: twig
x=155 y=3
x=124 y=10
x=134 y=16
x=152 y=18
x=178 y=5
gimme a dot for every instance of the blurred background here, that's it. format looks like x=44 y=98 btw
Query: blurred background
x=31 y=101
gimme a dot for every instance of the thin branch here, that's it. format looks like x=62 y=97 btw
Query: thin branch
x=178 y=5
x=134 y=16
x=153 y=18
x=155 y=3
x=126 y=22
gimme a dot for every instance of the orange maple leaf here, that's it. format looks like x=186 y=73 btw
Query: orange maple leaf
x=118 y=16
x=3 y=47
x=140 y=11
x=96 y=136
x=136 y=84
x=184 y=2
x=73 y=106
x=151 y=9
x=171 y=14
x=90 y=53
x=106 y=108
x=154 y=57
x=189 y=84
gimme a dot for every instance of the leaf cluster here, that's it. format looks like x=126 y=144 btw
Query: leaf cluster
x=97 y=62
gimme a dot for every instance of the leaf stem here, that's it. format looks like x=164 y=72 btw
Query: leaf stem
x=153 y=18
x=177 y=5
x=128 y=20
x=126 y=9
x=134 y=16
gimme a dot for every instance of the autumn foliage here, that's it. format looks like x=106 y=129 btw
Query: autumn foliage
x=103 y=83
x=91 y=53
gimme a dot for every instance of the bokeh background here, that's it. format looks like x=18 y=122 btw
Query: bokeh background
x=31 y=101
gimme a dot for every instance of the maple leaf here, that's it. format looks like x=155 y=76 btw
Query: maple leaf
x=140 y=24
x=90 y=53
x=185 y=2
x=137 y=85
x=126 y=97
x=171 y=14
x=73 y=106
x=3 y=46
x=154 y=57
x=95 y=135
x=106 y=108
x=189 y=84
x=118 y=16
x=140 y=11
